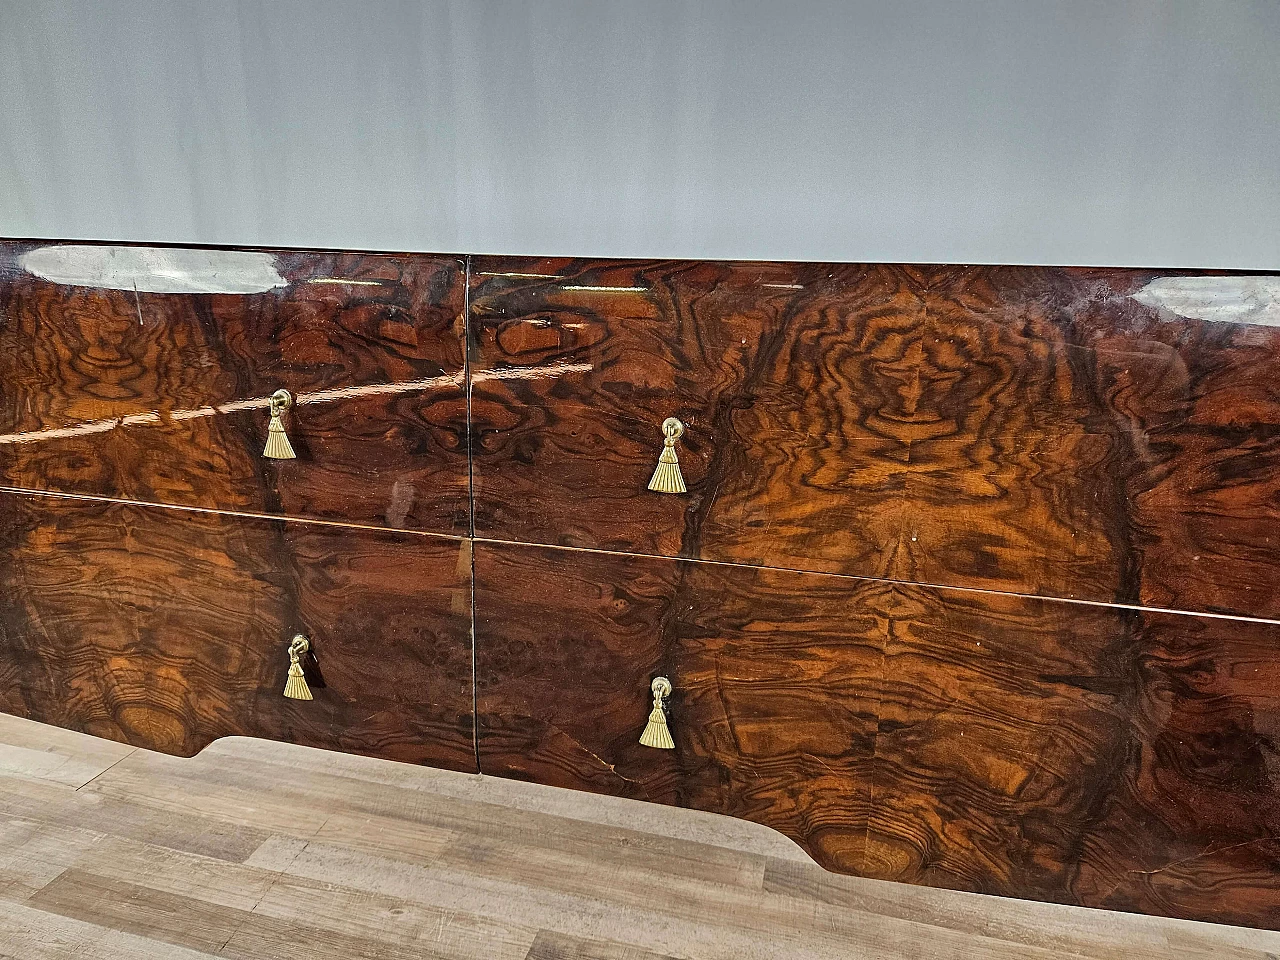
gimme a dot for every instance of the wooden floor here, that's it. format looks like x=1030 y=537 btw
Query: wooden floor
x=261 y=850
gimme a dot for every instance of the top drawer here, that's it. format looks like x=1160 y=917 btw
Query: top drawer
x=1109 y=435
x=146 y=373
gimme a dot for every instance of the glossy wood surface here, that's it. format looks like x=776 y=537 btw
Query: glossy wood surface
x=1079 y=433
x=1044 y=435
x=774 y=702
x=161 y=396
x=996 y=744
x=169 y=628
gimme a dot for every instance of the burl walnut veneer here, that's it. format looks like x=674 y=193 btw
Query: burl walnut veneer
x=162 y=396
x=1050 y=431
x=168 y=629
x=987 y=742
x=972 y=583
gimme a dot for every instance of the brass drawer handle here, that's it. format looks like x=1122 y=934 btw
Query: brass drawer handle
x=278 y=446
x=666 y=477
x=296 y=687
x=656 y=732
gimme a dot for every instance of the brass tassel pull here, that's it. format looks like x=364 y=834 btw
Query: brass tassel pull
x=278 y=446
x=295 y=687
x=656 y=732
x=666 y=477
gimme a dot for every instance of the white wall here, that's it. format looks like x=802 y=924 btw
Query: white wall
x=1110 y=132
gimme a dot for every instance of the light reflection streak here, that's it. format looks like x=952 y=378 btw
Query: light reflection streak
x=532 y=373
x=517 y=276
x=318 y=396
x=154 y=269
x=574 y=286
x=1248 y=299
x=352 y=283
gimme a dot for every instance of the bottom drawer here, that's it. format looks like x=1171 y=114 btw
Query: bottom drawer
x=167 y=629
x=985 y=742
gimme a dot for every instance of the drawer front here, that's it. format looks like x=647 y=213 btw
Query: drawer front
x=1113 y=435
x=998 y=744
x=791 y=454
x=773 y=708
x=145 y=374
x=1047 y=431
x=168 y=628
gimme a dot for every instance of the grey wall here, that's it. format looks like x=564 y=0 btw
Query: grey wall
x=1114 y=132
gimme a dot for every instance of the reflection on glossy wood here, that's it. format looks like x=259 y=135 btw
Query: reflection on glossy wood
x=1034 y=430
x=167 y=629
x=997 y=744
x=1192 y=824
x=163 y=397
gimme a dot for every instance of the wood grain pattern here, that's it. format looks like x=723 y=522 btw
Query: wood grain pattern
x=162 y=396
x=983 y=742
x=1003 y=723
x=1195 y=813
x=574 y=374
x=167 y=629
x=1048 y=431
x=1101 y=757
x=775 y=677
x=1037 y=433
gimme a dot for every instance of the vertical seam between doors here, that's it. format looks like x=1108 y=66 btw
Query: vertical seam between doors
x=471 y=503
x=466 y=381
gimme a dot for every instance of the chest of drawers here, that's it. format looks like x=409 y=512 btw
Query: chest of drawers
x=971 y=582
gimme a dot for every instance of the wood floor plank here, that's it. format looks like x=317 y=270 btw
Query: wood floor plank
x=719 y=924
x=180 y=828
x=145 y=877
x=385 y=836
x=690 y=826
x=293 y=805
x=267 y=939
x=255 y=851
x=1072 y=929
x=331 y=921
x=538 y=860
x=557 y=946
x=140 y=910
x=266 y=934
x=27 y=933
x=258 y=795
x=51 y=849
x=36 y=750
x=51 y=765
x=23 y=871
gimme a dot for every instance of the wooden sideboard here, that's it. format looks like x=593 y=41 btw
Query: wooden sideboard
x=972 y=583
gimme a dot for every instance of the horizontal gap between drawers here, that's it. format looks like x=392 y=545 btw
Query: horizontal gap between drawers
x=1137 y=608
x=1133 y=607
x=248 y=515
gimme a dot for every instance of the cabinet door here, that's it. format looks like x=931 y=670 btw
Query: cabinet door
x=170 y=628
x=1000 y=744
x=145 y=374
